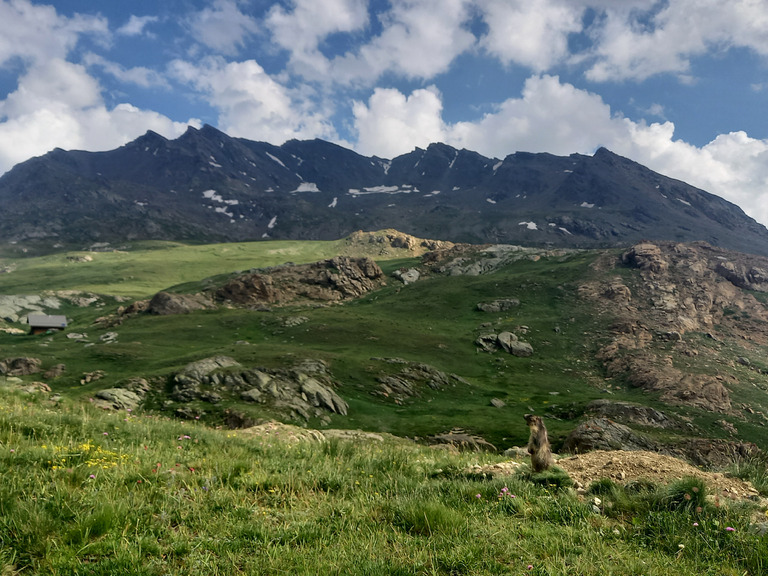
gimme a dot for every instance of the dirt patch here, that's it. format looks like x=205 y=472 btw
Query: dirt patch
x=624 y=467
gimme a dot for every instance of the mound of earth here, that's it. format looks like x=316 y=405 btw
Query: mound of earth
x=626 y=466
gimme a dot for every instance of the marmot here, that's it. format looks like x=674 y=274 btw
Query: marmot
x=538 y=444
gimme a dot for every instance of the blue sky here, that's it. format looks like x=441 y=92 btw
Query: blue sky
x=678 y=85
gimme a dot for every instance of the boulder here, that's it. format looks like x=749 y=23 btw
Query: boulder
x=54 y=371
x=166 y=304
x=408 y=276
x=462 y=440
x=321 y=396
x=21 y=366
x=118 y=399
x=487 y=342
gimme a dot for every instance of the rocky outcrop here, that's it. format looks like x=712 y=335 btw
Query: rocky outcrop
x=166 y=304
x=461 y=440
x=646 y=257
x=746 y=277
x=21 y=366
x=336 y=279
x=604 y=434
x=498 y=305
x=631 y=414
x=304 y=391
x=128 y=395
x=412 y=379
x=507 y=341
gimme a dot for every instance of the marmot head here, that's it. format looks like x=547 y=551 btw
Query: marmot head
x=532 y=419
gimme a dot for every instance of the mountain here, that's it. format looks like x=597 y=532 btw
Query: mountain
x=206 y=186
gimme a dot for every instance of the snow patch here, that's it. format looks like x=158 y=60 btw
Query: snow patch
x=586 y=205
x=529 y=225
x=213 y=162
x=401 y=189
x=276 y=159
x=272 y=223
x=306 y=187
x=333 y=204
x=568 y=171
x=684 y=202
x=455 y=155
x=564 y=230
x=490 y=201
x=456 y=188
x=497 y=165
x=386 y=165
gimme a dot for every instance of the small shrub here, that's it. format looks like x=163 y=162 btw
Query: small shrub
x=686 y=494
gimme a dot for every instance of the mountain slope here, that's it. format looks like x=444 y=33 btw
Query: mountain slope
x=207 y=186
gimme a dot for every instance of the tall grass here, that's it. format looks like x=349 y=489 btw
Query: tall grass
x=88 y=492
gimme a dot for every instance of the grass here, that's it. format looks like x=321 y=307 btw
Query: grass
x=89 y=492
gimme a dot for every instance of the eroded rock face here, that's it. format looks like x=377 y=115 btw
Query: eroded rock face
x=646 y=257
x=631 y=414
x=336 y=279
x=307 y=390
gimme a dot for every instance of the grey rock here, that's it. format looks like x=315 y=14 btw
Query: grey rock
x=487 y=342
x=500 y=305
x=119 y=398
x=165 y=303
x=20 y=366
x=252 y=395
x=498 y=403
x=407 y=276
x=204 y=367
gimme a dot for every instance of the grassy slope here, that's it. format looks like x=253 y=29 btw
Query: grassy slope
x=88 y=492
x=434 y=321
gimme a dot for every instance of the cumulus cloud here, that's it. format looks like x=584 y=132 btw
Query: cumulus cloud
x=251 y=103
x=532 y=33
x=58 y=104
x=301 y=29
x=35 y=33
x=636 y=43
x=392 y=124
x=418 y=41
x=222 y=27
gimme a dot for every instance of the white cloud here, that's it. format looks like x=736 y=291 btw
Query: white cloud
x=308 y=23
x=136 y=25
x=551 y=116
x=251 y=103
x=636 y=43
x=419 y=39
x=223 y=27
x=35 y=33
x=532 y=33
x=392 y=124
x=139 y=75
x=58 y=104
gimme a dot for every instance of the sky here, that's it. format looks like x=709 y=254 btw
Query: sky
x=680 y=86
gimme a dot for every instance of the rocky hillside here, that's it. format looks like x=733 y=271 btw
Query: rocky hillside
x=208 y=187
x=656 y=347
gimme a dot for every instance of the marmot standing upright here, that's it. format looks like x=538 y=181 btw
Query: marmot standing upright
x=538 y=444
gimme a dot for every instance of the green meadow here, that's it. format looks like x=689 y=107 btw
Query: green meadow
x=86 y=492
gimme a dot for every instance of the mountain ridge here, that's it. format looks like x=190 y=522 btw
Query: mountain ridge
x=206 y=186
